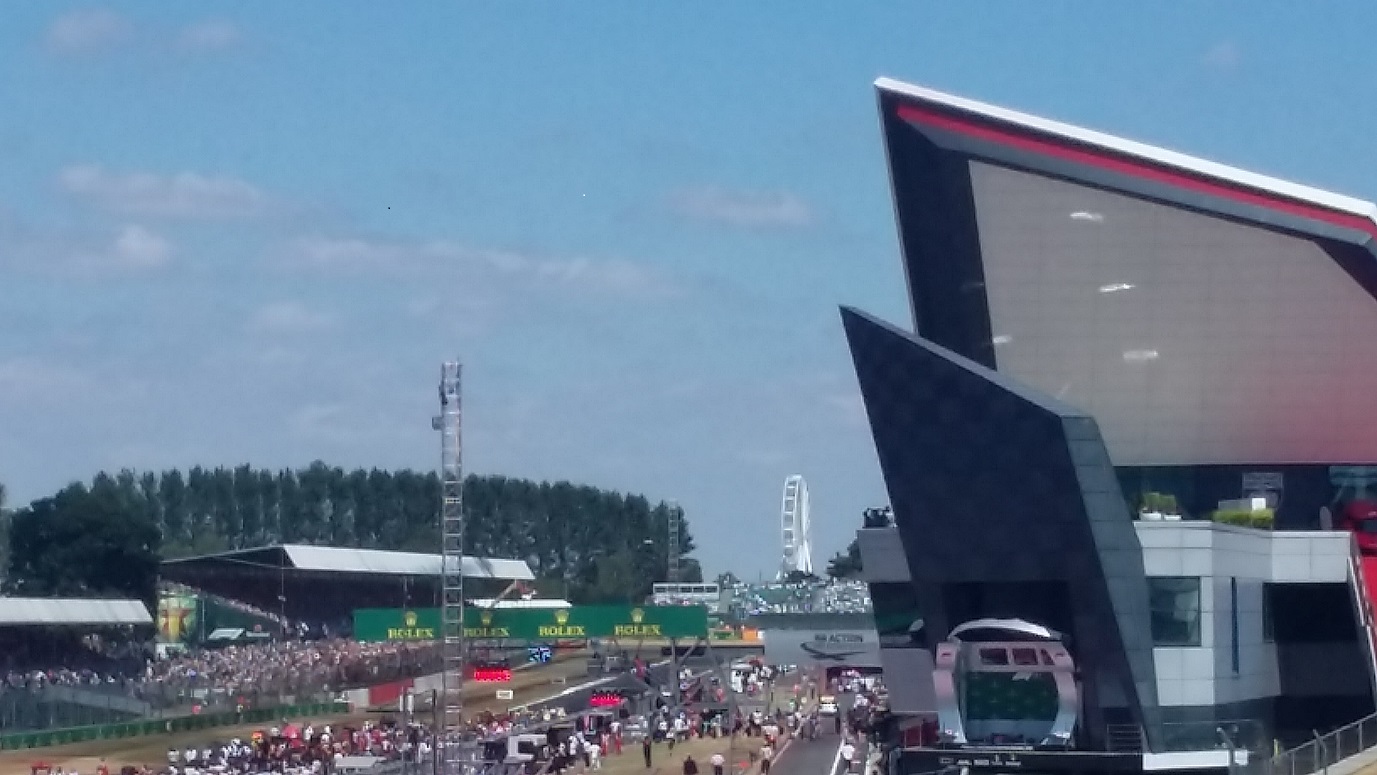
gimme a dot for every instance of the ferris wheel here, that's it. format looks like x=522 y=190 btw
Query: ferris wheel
x=794 y=528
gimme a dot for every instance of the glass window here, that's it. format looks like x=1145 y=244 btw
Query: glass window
x=1175 y=606
x=897 y=616
x=1233 y=624
x=1025 y=657
x=1110 y=304
x=994 y=656
x=1268 y=633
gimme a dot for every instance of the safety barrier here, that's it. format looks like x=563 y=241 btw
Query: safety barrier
x=146 y=727
x=1344 y=750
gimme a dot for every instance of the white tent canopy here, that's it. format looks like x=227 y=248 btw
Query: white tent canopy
x=34 y=611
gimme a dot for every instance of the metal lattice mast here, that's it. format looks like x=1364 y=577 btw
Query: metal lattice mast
x=452 y=562
x=672 y=570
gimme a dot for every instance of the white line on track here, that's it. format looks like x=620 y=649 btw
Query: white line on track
x=837 y=759
x=578 y=688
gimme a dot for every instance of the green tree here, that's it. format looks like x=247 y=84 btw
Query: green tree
x=172 y=495
x=847 y=564
x=584 y=542
x=248 y=504
x=84 y=543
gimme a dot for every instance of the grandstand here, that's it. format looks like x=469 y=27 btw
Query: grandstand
x=95 y=642
x=280 y=611
x=799 y=598
x=320 y=586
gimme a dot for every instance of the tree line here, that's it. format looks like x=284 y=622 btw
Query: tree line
x=589 y=544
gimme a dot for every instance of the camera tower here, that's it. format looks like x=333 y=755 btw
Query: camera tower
x=457 y=752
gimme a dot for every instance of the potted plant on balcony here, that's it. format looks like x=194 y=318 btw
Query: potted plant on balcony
x=1159 y=506
x=1258 y=519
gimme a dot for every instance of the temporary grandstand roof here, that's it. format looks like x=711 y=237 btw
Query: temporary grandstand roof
x=333 y=559
x=35 y=611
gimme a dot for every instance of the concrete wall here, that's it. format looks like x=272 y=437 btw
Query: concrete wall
x=1223 y=556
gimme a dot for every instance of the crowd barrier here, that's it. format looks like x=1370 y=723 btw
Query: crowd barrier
x=146 y=727
x=45 y=708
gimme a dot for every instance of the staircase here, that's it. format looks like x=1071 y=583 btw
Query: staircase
x=1362 y=583
x=1123 y=738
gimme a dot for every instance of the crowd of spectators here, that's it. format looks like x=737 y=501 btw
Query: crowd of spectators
x=297 y=749
x=297 y=668
x=32 y=658
x=803 y=597
x=239 y=675
x=318 y=749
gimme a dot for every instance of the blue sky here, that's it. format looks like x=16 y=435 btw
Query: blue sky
x=250 y=231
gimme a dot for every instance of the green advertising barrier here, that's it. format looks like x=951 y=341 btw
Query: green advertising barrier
x=380 y=624
x=146 y=727
x=584 y=621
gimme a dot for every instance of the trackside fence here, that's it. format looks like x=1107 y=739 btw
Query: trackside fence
x=145 y=727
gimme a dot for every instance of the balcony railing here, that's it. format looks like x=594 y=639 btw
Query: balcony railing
x=1324 y=751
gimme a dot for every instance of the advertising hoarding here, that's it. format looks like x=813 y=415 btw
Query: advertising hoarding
x=578 y=622
x=822 y=648
x=178 y=617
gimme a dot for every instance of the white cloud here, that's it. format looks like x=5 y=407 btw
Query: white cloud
x=183 y=195
x=208 y=36
x=475 y=265
x=751 y=209
x=82 y=252
x=130 y=248
x=26 y=379
x=136 y=247
x=288 y=317
x=88 y=31
x=1225 y=55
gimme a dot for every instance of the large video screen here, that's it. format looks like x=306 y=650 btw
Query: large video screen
x=1190 y=338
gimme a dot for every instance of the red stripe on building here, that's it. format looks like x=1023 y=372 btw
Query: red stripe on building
x=1112 y=163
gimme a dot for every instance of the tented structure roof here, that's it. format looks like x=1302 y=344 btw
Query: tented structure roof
x=33 y=611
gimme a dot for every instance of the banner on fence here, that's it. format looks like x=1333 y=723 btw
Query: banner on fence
x=578 y=622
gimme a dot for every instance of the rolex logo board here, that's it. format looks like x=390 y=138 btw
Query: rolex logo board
x=573 y=623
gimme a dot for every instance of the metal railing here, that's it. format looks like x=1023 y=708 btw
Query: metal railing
x=1235 y=734
x=43 y=707
x=1325 y=750
x=1239 y=734
x=36 y=710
